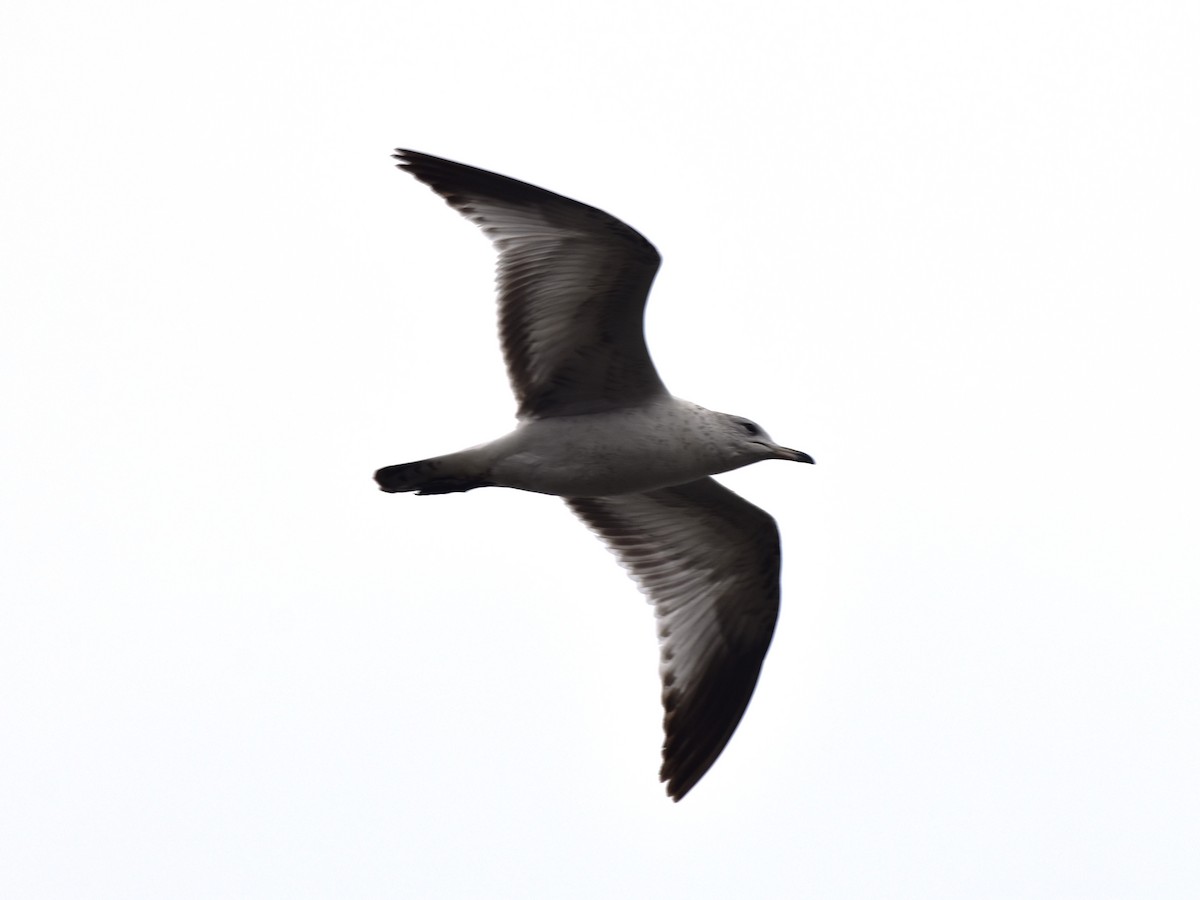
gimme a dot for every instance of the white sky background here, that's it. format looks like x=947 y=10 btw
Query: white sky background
x=949 y=249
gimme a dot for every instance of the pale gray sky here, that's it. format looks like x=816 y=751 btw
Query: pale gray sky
x=949 y=249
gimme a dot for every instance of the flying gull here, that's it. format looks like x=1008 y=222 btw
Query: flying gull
x=597 y=427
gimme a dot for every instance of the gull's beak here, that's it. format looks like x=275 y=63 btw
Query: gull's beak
x=793 y=455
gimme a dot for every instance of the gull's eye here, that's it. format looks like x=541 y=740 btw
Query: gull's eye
x=751 y=428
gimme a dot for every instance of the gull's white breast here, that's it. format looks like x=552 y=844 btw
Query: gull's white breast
x=655 y=445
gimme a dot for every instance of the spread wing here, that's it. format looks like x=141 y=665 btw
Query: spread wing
x=709 y=563
x=573 y=282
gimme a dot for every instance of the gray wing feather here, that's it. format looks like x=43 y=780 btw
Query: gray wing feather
x=573 y=284
x=709 y=563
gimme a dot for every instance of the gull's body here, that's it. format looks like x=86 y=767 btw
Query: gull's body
x=597 y=427
x=665 y=442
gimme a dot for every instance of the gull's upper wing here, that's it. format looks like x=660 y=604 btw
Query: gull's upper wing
x=709 y=562
x=573 y=284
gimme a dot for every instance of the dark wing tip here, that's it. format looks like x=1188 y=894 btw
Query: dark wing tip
x=404 y=158
x=458 y=183
x=700 y=722
x=464 y=186
x=429 y=168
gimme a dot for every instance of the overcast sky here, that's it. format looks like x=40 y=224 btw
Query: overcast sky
x=949 y=249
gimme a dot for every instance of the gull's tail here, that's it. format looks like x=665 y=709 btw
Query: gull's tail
x=440 y=475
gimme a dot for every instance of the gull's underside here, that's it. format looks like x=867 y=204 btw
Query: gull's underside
x=573 y=283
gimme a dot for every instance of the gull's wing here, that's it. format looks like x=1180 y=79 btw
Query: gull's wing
x=709 y=562
x=573 y=283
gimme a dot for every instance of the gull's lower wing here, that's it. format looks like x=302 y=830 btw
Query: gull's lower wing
x=709 y=563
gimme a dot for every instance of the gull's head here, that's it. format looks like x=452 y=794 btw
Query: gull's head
x=750 y=442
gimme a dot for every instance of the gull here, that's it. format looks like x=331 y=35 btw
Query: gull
x=597 y=427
